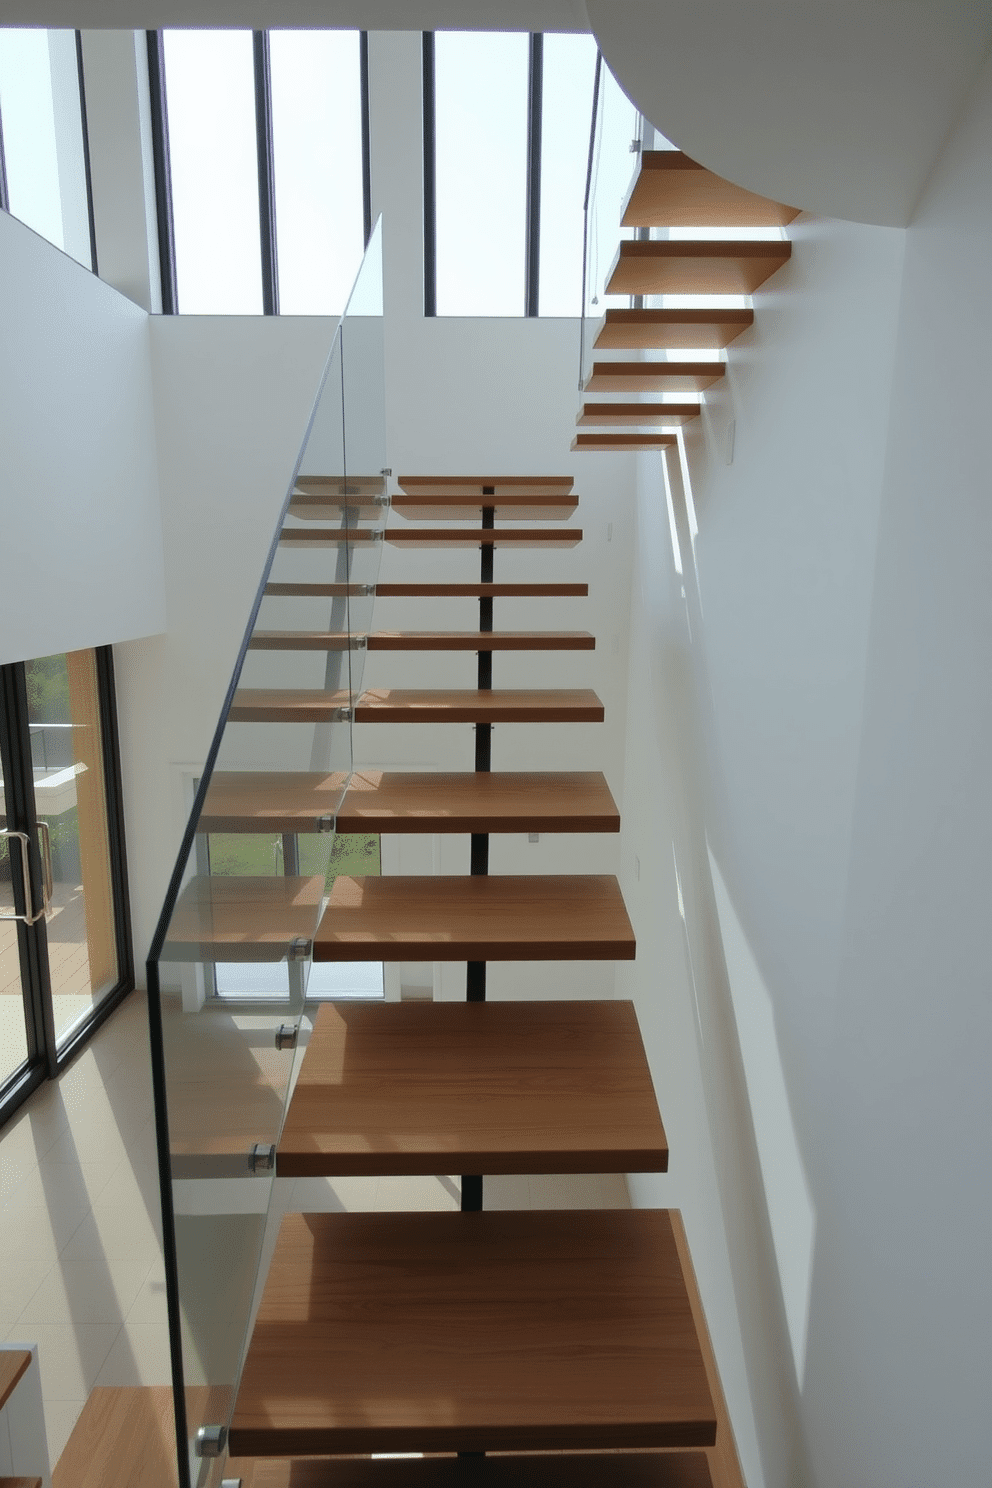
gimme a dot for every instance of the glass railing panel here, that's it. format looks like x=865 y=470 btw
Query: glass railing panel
x=231 y=958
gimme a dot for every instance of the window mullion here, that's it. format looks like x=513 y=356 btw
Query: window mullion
x=535 y=91
x=363 y=44
x=163 y=172
x=430 y=178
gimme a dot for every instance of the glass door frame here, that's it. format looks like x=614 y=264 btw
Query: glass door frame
x=45 y=1058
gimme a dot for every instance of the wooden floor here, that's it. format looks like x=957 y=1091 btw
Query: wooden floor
x=489 y=1087
x=473 y=1332
x=512 y=917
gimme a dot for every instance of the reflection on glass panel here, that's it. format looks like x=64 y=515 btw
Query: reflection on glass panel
x=13 y=1038
x=317 y=145
x=43 y=136
x=569 y=68
x=614 y=167
x=210 y=93
x=481 y=173
x=67 y=766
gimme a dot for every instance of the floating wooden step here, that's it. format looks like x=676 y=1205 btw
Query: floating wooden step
x=320 y=497
x=527 y=498
x=671 y=190
x=316 y=537
x=675 y=330
x=453 y=1087
x=672 y=415
x=501 y=705
x=408 y=801
x=705 y=266
x=20 y=1483
x=399 y=705
x=518 y=917
x=319 y=591
x=472 y=1332
x=412 y=801
x=482 y=591
x=242 y=919
x=653 y=377
x=623 y=441
x=424 y=640
x=272 y=801
x=488 y=537
x=517 y=1470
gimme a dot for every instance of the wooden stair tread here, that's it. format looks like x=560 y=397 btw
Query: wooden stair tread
x=514 y=917
x=488 y=1087
x=632 y=441
x=315 y=537
x=653 y=377
x=671 y=329
x=408 y=801
x=489 y=537
x=707 y=266
x=500 y=705
x=481 y=591
x=661 y=414
x=13 y=1364
x=271 y=800
x=319 y=591
x=286 y=705
x=217 y=918
x=424 y=640
x=562 y=1328
x=411 y=801
x=434 y=505
x=361 y=486
x=526 y=1470
x=20 y=1483
x=478 y=485
x=672 y=190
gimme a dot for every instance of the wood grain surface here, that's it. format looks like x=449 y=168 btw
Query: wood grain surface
x=488 y=1087
x=13 y=1363
x=481 y=591
x=481 y=640
x=671 y=190
x=436 y=504
x=705 y=266
x=501 y=705
x=468 y=1332
x=489 y=537
x=286 y=705
x=421 y=801
x=271 y=800
x=242 y=919
x=624 y=441
x=660 y=415
x=653 y=377
x=703 y=328
x=541 y=1470
x=519 y=917
x=477 y=485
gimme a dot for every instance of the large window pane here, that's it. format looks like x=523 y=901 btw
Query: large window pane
x=481 y=172
x=569 y=70
x=43 y=136
x=210 y=96
x=317 y=143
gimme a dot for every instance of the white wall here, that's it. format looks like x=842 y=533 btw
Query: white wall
x=824 y=692
x=81 y=535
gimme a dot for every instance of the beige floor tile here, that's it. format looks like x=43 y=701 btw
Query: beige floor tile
x=149 y=1306
x=20 y=1278
x=108 y=1234
x=60 y=1418
x=46 y=1224
x=579 y=1191
x=85 y=1180
x=70 y=1357
x=333 y=1195
x=417 y=1193
x=86 y=1292
x=506 y=1191
x=140 y=1356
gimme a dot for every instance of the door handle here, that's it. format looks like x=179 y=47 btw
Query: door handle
x=29 y=916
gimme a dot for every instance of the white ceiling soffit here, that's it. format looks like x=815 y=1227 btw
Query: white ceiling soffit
x=370 y=15
x=836 y=106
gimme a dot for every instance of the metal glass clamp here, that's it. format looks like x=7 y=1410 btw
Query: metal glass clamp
x=286 y=1036
x=210 y=1441
x=299 y=949
x=342 y=715
x=326 y=824
x=261 y=1159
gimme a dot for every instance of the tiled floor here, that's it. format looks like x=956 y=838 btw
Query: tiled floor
x=80 y=1260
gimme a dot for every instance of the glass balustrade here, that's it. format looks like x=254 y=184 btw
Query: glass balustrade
x=231 y=957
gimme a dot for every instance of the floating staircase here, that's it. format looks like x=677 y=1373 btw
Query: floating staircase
x=573 y=1341
x=670 y=191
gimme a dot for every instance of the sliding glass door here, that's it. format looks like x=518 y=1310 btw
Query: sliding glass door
x=64 y=948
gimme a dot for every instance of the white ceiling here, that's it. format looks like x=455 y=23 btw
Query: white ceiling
x=837 y=106
x=372 y=15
